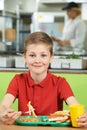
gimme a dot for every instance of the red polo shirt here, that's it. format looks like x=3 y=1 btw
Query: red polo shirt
x=46 y=97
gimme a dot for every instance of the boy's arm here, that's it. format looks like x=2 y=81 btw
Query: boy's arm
x=7 y=102
x=71 y=100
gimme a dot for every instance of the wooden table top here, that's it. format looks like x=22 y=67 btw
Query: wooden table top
x=18 y=127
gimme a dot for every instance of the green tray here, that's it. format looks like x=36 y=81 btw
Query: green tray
x=41 y=122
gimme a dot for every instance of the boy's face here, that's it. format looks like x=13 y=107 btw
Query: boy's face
x=38 y=58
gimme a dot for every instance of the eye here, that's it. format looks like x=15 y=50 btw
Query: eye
x=43 y=55
x=32 y=55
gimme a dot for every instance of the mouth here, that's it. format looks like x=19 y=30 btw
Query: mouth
x=37 y=66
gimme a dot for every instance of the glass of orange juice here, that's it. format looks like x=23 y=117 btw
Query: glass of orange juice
x=76 y=110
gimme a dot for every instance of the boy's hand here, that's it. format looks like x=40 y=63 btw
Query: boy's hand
x=82 y=120
x=10 y=116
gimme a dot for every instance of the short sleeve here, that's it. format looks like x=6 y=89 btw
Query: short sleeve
x=13 y=87
x=65 y=89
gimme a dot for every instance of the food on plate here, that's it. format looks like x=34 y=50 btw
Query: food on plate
x=33 y=119
x=60 y=116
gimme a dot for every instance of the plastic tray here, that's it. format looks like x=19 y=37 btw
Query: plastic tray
x=42 y=122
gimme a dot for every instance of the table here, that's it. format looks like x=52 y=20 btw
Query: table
x=18 y=127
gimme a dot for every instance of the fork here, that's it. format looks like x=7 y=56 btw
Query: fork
x=32 y=110
x=4 y=113
x=25 y=112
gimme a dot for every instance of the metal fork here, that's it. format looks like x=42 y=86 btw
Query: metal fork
x=30 y=112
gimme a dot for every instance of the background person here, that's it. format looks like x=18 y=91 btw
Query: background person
x=45 y=91
x=74 y=32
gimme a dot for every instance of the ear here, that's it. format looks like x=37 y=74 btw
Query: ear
x=24 y=56
x=51 y=58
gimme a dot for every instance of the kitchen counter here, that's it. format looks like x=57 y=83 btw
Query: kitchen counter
x=76 y=71
x=17 y=127
x=17 y=64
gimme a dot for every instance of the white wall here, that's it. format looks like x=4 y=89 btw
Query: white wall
x=25 y=5
x=84 y=11
x=29 y=5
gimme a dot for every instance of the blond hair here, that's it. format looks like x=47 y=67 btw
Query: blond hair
x=38 y=38
x=78 y=10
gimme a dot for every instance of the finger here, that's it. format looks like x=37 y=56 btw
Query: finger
x=16 y=115
x=81 y=124
x=11 y=119
x=10 y=122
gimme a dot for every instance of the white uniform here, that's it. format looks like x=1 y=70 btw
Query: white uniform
x=75 y=31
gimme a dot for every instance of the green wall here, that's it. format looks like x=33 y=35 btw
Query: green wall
x=5 y=78
x=78 y=84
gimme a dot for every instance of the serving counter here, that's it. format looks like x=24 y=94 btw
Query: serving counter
x=68 y=71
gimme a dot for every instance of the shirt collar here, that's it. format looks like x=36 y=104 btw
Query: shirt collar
x=42 y=83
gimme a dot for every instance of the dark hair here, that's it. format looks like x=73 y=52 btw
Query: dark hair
x=71 y=5
x=38 y=38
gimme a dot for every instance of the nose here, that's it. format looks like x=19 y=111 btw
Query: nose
x=37 y=59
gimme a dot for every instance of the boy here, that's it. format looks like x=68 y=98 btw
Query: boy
x=45 y=91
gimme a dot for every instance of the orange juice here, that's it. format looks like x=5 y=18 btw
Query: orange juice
x=76 y=110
